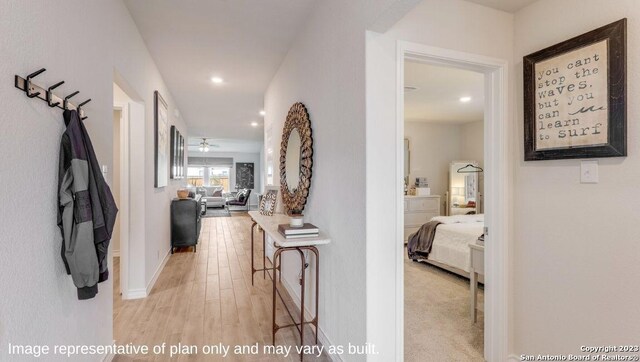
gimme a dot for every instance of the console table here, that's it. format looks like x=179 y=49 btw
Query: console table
x=269 y=226
x=477 y=267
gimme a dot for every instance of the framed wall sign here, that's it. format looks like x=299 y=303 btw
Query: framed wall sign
x=161 y=138
x=575 y=97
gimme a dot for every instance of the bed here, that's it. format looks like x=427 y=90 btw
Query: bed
x=450 y=246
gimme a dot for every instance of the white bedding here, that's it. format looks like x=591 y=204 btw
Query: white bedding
x=451 y=243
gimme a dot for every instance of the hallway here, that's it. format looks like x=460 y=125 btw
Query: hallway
x=206 y=298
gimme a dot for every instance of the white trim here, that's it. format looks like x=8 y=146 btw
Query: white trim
x=154 y=279
x=123 y=203
x=134 y=294
x=322 y=338
x=496 y=181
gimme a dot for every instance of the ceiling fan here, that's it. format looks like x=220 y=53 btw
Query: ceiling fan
x=204 y=146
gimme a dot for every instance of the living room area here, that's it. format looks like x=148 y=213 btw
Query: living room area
x=226 y=174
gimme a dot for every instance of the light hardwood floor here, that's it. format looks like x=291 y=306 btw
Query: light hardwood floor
x=206 y=298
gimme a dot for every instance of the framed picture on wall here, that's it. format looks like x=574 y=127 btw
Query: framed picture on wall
x=181 y=158
x=173 y=152
x=161 y=140
x=244 y=175
x=575 y=97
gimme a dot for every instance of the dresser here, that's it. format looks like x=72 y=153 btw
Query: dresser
x=419 y=210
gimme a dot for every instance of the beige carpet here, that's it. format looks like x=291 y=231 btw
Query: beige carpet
x=437 y=321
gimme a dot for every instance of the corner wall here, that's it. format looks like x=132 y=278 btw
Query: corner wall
x=575 y=255
x=449 y=24
x=325 y=69
x=40 y=305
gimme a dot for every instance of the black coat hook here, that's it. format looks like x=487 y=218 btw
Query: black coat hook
x=50 y=94
x=80 y=108
x=65 y=103
x=28 y=85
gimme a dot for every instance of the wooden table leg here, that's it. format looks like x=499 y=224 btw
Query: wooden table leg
x=473 y=281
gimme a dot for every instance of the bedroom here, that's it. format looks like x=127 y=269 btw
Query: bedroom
x=443 y=212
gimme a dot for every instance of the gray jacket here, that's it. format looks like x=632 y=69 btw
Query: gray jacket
x=87 y=210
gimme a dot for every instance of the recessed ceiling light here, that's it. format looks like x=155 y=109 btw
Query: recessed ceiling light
x=254 y=124
x=262 y=113
x=465 y=99
x=217 y=80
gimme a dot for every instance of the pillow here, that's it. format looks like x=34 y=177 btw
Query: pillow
x=217 y=193
x=242 y=194
x=201 y=191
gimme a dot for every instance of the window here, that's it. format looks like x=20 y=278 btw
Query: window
x=219 y=176
x=195 y=176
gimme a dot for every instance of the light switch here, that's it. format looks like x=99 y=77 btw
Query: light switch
x=589 y=172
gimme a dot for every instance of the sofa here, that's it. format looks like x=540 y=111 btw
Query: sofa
x=186 y=220
x=212 y=195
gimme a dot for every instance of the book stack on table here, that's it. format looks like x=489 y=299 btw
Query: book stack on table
x=305 y=231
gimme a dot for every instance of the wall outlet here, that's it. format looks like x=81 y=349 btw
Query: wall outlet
x=589 y=172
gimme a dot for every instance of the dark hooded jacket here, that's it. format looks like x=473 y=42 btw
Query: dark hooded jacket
x=87 y=210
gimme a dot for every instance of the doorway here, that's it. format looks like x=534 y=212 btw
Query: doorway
x=385 y=220
x=128 y=187
x=496 y=198
x=444 y=159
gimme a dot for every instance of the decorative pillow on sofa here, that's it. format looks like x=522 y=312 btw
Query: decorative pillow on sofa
x=242 y=194
x=217 y=193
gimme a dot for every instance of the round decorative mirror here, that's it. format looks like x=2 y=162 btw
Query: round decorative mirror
x=296 y=152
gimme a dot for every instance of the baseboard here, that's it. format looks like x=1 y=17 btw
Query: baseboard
x=322 y=337
x=135 y=294
x=154 y=279
x=108 y=358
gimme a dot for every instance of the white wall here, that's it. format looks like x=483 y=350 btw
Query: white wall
x=82 y=43
x=325 y=69
x=448 y=24
x=575 y=252
x=434 y=145
x=240 y=157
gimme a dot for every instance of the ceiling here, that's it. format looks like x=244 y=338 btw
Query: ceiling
x=241 y=41
x=438 y=93
x=510 y=6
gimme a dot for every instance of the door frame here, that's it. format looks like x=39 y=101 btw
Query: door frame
x=123 y=203
x=496 y=187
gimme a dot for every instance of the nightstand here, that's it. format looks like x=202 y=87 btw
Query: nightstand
x=476 y=267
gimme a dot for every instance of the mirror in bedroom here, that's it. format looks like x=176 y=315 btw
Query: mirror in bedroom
x=464 y=179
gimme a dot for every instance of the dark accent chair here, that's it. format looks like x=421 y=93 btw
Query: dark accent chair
x=185 y=222
x=240 y=200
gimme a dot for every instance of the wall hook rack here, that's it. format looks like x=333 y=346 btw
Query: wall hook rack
x=33 y=90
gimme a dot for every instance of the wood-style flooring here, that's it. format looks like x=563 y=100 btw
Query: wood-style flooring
x=205 y=299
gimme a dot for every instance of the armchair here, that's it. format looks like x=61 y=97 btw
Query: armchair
x=240 y=200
